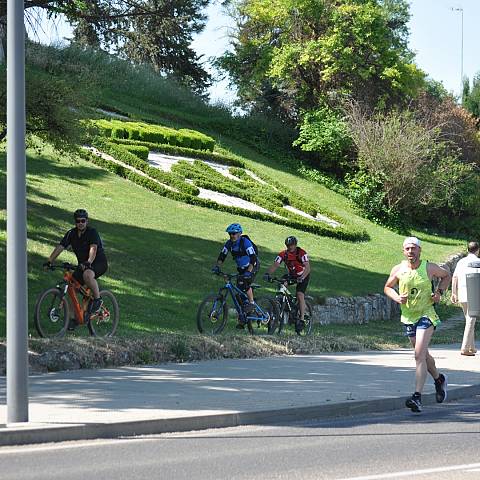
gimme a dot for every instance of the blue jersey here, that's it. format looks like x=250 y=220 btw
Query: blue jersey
x=240 y=255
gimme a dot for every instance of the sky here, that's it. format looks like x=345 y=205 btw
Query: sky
x=435 y=37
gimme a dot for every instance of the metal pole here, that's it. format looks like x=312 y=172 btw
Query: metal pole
x=461 y=68
x=460 y=9
x=17 y=319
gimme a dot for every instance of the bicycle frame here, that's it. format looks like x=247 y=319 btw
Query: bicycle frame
x=288 y=303
x=70 y=287
x=233 y=290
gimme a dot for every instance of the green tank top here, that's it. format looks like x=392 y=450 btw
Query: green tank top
x=419 y=288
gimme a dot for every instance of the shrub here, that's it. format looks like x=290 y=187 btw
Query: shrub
x=156 y=134
x=406 y=169
x=186 y=152
x=368 y=194
x=456 y=125
x=323 y=131
x=291 y=220
x=138 y=150
x=123 y=155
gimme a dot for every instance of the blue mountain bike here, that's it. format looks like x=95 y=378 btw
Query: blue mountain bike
x=212 y=315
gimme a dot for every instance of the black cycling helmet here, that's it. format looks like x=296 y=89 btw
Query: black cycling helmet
x=80 y=213
x=291 y=240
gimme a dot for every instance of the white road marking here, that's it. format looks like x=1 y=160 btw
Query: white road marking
x=408 y=473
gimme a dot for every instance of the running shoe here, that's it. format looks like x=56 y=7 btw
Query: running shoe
x=441 y=388
x=414 y=403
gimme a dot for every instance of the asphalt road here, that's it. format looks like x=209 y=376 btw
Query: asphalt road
x=441 y=443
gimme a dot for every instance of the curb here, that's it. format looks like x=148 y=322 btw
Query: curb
x=26 y=435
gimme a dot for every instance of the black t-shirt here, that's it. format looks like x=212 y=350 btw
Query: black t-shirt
x=81 y=244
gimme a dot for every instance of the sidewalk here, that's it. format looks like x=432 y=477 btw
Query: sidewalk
x=178 y=397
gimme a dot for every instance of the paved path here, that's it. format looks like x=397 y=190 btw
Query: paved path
x=193 y=390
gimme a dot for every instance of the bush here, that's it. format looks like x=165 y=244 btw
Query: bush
x=456 y=125
x=123 y=155
x=138 y=150
x=52 y=107
x=155 y=134
x=323 y=131
x=186 y=152
x=406 y=170
x=287 y=219
x=368 y=194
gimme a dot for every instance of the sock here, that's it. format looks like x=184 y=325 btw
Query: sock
x=417 y=395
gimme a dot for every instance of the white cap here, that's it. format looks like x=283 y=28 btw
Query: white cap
x=411 y=241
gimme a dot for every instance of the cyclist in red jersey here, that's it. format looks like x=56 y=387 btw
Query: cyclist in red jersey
x=298 y=267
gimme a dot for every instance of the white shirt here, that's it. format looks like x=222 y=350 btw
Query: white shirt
x=460 y=272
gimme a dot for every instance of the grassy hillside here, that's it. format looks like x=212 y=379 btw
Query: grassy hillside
x=160 y=250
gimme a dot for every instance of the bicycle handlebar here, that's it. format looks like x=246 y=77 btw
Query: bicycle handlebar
x=282 y=281
x=63 y=266
x=227 y=275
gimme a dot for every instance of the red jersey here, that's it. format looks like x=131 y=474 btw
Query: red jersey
x=294 y=261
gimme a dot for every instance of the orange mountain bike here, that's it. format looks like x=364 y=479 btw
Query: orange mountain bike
x=69 y=305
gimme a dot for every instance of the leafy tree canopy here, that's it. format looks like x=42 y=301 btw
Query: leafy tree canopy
x=157 y=32
x=471 y=96
x=294 y=55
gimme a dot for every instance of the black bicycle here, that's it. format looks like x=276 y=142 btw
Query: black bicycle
x=212 y=315
x=288 y=309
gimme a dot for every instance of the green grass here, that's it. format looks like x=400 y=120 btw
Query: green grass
x=161 y=251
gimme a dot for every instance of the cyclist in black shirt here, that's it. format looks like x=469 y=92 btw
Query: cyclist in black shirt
x=88 y=248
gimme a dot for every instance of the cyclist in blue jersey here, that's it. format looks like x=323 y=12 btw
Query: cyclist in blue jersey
x=244 y=253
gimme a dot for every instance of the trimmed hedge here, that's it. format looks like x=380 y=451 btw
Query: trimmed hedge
x=289 y=219
x=138 y=150
x=155 y=134
x=182 y=151
x=123 y=155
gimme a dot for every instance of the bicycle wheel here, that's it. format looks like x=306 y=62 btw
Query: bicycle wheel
x=308 y=318
x=212 y=315
x=270 y=309
x=51 y=313
x=105 y=323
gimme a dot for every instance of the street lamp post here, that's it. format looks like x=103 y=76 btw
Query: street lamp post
x=460 y=9
x=17 y=323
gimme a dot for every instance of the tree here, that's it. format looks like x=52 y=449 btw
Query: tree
x=409 y=173
x=163 y=40
x=155 y=31
x=292 y=55
x=471 y=96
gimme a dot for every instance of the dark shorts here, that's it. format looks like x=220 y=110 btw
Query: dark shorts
x=99 y=268
x=301 y=287
x=410 y=330
x=243 y=283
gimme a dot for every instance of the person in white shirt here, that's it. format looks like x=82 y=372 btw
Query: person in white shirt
x=459 y=295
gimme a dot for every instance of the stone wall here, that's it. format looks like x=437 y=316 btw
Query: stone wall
x=350 y=310
x=358 y=310
x=452 y=261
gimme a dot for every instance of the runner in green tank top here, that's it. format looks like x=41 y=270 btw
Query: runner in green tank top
x=413 y=277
